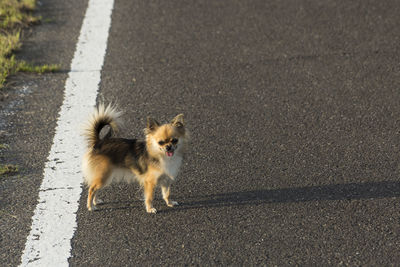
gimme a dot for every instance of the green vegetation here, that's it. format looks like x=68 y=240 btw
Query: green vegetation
x=14 y=15
x=8 y=169
x=26 y=67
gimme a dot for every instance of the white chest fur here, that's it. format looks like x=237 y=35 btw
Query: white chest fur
x=171 y=166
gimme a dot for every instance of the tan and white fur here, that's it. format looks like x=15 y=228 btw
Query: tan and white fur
x=154 y=161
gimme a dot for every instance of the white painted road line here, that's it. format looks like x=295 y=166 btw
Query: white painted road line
x=54 y=219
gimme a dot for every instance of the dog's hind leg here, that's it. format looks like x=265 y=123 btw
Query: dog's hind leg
x=101 y=176
x=96 y=199
x=93 y=190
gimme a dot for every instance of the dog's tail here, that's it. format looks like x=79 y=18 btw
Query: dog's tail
x=101 y=117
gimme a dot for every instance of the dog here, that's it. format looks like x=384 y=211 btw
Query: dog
x=152 y=162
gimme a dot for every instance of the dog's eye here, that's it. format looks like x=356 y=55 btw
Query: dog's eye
x=174 y=141
x=161 y=143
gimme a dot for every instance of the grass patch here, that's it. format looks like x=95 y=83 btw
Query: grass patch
x=3 y=146
x=8 y=169
x=17 y=13
x=14 y=16
x=26 y=67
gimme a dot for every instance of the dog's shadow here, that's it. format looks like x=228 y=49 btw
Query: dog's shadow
x=372 y=190
x=351 y=191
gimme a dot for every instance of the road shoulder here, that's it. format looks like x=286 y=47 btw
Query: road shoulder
x=29 y=107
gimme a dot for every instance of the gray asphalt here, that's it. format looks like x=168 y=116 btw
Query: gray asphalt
x=293 y=108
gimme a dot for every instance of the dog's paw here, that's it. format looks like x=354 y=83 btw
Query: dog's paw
x=97 y=201
x=172 y=203
x=151 y=210
x=93 y=208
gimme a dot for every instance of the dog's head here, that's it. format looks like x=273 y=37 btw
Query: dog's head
x=166 y=139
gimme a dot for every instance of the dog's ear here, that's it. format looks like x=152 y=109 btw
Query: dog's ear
x=178 y=121
x=152 y=125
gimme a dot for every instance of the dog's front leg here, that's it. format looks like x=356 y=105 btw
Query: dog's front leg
x=165 y=189
x=149 y=186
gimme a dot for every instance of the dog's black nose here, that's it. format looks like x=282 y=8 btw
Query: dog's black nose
x=168 y=148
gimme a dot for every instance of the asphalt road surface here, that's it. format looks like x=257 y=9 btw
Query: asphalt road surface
x=293 y=109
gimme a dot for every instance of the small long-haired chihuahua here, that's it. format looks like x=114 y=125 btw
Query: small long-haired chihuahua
x=154 y=161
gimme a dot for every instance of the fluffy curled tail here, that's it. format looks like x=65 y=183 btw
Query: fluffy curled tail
x=101 y=117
